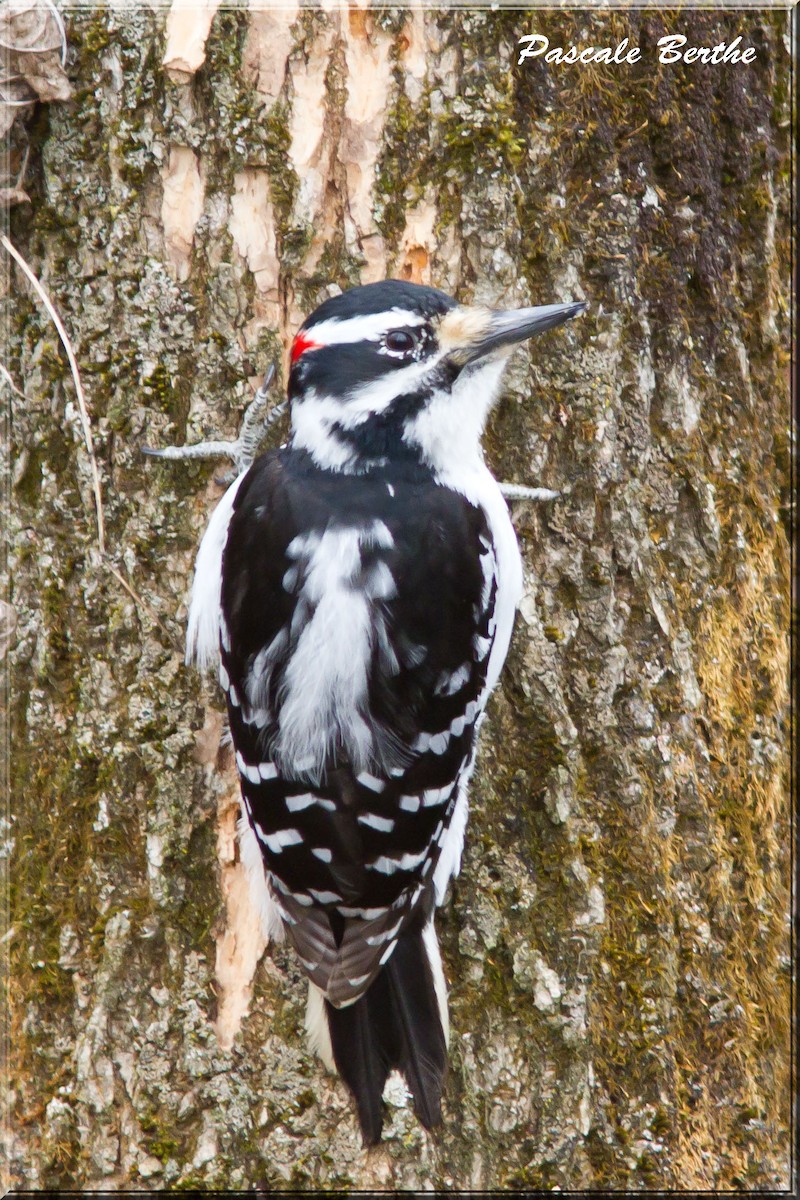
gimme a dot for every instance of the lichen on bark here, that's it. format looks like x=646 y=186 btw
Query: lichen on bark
x=617 y=941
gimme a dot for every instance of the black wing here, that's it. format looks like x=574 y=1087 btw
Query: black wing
x=352 y=813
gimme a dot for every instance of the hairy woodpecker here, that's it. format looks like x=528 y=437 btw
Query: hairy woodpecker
x=357 y=588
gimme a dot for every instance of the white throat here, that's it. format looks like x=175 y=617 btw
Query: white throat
x=449 y=429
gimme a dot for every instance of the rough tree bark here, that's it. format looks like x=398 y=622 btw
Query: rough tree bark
x=617 y=943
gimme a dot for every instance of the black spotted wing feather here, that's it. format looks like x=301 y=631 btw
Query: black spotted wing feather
x=351 y=852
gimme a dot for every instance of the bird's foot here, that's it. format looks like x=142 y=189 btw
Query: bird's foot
x=242 y=452
x=516 y=491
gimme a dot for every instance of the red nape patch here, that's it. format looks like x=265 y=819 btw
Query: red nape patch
x=302 y=343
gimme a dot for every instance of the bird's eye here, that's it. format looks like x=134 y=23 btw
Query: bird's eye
x=400 y=341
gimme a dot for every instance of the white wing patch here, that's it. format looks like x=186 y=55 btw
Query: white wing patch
x=406 y=862
x=450 y=682
x=374 y=821
x=276 y=841
x=371 y=781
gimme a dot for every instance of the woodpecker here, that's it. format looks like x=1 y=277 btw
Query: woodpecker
x=357 y=590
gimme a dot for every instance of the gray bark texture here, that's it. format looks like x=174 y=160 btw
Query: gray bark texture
x=617 y=942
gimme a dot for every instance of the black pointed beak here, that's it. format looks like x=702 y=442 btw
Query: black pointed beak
x=508 y=327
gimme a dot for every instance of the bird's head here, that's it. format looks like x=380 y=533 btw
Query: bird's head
x=395 y=371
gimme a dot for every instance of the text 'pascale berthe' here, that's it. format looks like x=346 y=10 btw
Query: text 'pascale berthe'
x=671 y=49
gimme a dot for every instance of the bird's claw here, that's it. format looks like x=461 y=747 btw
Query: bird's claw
x=243 y=451
x=516 y=491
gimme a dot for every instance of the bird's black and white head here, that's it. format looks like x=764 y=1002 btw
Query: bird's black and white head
x=395 y=371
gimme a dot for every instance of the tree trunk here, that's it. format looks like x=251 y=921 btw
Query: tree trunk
x=617 y=941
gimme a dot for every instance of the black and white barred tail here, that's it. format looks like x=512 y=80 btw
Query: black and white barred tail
x=400 y=1023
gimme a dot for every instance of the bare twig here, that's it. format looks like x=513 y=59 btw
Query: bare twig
x=87 y=433
x=87 y=428
x=27 y=49
x=17 y=103
x=23 y=169
x=61 y=29
x=34 y=45
x=9 y=382
x=138 y=600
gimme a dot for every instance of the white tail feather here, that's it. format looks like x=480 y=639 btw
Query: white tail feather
x=431 y=943
x=253 y=863
x=319 y=1037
